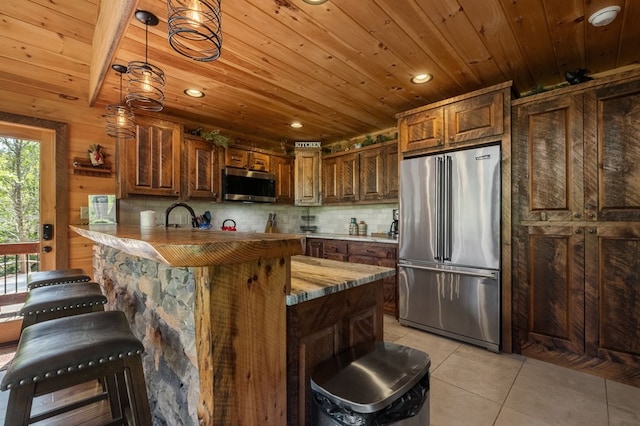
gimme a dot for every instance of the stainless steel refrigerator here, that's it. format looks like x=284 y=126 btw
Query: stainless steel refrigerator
x=449 y=262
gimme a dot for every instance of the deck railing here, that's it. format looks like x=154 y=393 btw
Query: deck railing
x=17 y=261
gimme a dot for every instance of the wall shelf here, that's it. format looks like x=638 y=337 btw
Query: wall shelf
x=83 y=166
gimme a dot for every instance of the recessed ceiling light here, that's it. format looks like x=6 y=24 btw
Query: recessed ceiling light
x=421 y=78
x=296 y=124
x=314 y=2
x=604 y=16
x=194 y=93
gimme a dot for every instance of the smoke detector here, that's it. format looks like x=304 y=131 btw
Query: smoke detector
x=604 y=16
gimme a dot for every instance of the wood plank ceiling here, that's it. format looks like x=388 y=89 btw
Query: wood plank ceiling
x=341 y=68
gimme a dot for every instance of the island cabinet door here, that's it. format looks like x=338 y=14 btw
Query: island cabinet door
x=319 y=329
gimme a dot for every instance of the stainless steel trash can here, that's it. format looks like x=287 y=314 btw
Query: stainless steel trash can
x=383 y=383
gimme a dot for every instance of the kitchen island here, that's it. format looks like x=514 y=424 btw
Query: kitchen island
x=211 y=308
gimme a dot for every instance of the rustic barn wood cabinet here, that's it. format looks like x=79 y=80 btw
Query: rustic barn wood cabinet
x=308 y=169
x=150 y=164
x=282 y=167
x=246 y=159
x=340 y=178
x=321 y=328
x=577 y=227
x=456 y=122
x=201 y=169
x=368 y=174
x=377 y=254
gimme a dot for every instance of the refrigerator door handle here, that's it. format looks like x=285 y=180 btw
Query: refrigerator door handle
x=447 y=227
x=438 y=211
x=451 y=271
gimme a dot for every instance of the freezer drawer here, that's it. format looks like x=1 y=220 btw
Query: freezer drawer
x=463 y=304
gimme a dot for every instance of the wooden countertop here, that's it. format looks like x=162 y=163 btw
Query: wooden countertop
x=192 y=247
x=312 y=277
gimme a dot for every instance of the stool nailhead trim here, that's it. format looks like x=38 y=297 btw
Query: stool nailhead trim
x=61 y=371
x=45 y=284
x=64 y=308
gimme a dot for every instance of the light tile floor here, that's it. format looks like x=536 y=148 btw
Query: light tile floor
x=472 y=386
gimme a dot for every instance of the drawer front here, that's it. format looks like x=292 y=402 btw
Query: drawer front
x=378 y=251
x=331 y=246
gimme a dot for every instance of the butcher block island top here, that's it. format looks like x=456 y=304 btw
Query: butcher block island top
x=211 y=308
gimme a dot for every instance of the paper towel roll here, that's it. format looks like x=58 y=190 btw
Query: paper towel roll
x=147 y=219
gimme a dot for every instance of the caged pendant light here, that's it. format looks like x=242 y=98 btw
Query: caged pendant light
x=119 y=118
x=145 y=88
x=195 y=28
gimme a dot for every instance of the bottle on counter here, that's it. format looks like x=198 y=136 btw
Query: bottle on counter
x=353 y=227
x=362 y=228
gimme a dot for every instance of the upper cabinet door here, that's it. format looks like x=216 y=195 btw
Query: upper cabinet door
x=282 y=167
x=152 y=159
x=201 y=178
x=549 y=159
x=372 y=174
x=475 y=118
x=612 y=151
x=422 y=130
x=307 y=177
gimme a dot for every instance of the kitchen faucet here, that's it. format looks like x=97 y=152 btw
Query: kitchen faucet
x=194 y=223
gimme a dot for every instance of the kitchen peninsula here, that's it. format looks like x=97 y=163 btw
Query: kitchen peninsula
x=218 y=312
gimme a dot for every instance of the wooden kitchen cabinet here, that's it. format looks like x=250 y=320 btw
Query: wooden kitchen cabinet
x=282 y=168
x=377 y=254
x=469 y=119
x=150 y=164
x=549 y=294
x=246 y=159
x=550 y=151
x=576 y=228
x=308 y=169
x=321 y=328
x=368 y=174
x=201 y=169
x=340 y=178
x=379 y=173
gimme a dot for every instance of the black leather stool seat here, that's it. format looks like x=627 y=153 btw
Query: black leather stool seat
x=59 y=276
x=63 y=352
x=61 y=300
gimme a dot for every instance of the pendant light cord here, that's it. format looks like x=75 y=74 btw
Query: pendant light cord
x=146 y=41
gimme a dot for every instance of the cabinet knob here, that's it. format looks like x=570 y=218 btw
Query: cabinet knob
x=577 y=215
x=592 y=231
x=592 y=215
x=578 y=231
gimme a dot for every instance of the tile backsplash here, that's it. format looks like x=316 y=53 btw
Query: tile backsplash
x=253 y=217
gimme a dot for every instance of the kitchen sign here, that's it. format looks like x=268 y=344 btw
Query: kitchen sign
x=307 y=144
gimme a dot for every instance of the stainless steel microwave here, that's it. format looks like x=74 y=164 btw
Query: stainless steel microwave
x=248 y=186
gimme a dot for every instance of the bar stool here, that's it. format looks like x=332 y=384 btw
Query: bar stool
x=61 y=300
x=58 y=276
x=64 y=352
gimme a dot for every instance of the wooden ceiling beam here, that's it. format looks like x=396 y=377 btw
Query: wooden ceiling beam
x=113 y=19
